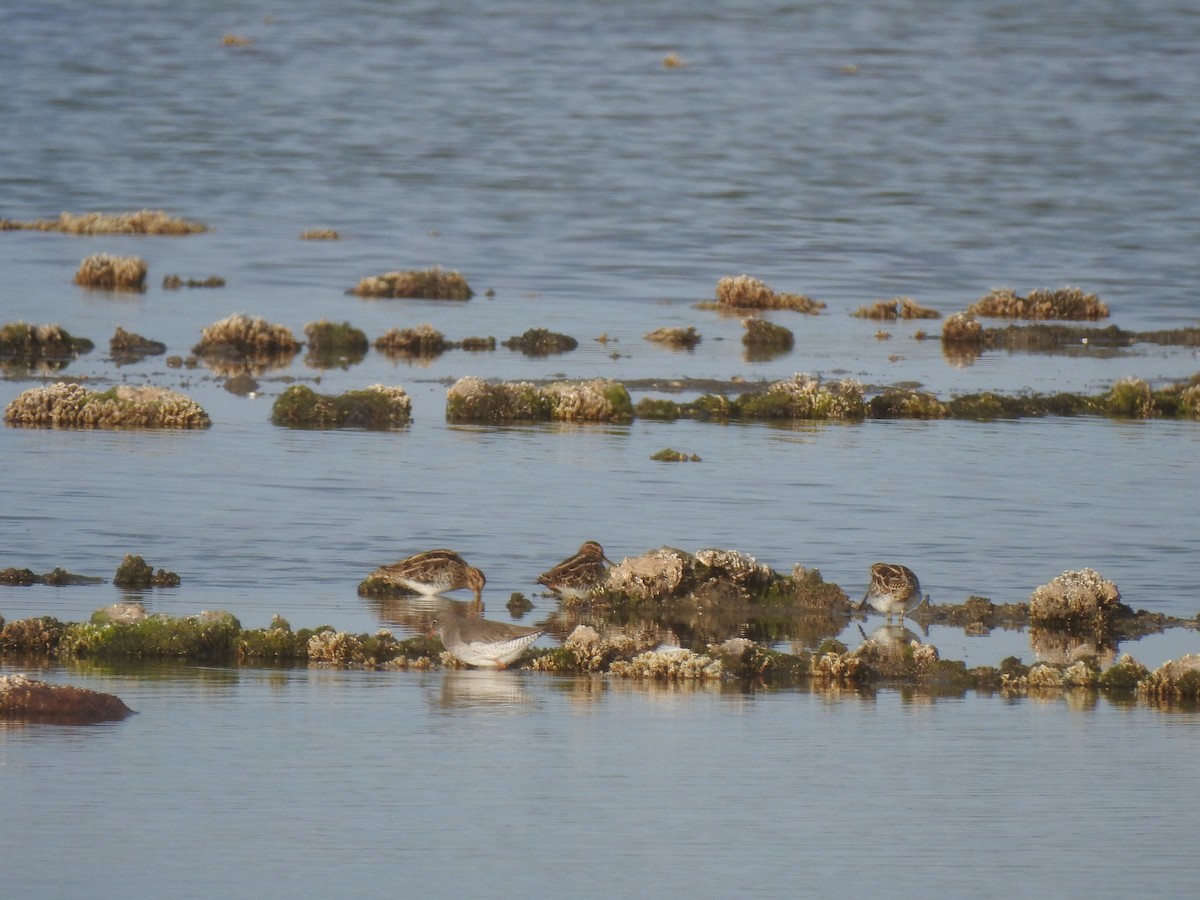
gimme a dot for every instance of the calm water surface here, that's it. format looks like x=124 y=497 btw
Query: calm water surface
x=922 y=148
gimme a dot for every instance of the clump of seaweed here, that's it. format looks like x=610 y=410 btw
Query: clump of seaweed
x=473 y=400
x=377 y=407
x=31 y=637
x=331 y=344
x=240 y=343
x=1076 y=599
x=211 y=635
x=320 y=234
x=746 y=292
x=127 y=347
x=28 y=699
x=174 y=282
x=430 y=284
x=765 y=340
x=962 y=329
x=422 y=341
x=104 y=272
x=1176 y=679
x=1132 y=398
x=541 y=342
x=134 y=573
x=145 y=221
x=1069 y=303
x=30 y=343
x=896 y=308
x=805 y=397
x=669 y=455
x=65 y=405
x=905 y=403
x=676 y=338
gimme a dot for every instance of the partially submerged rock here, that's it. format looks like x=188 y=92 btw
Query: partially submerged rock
x=1177 y=679
x=331 y=344
x=174 y=282
x=144 y=221
x=541 y=342
x=135 y=573
x=896 y=308
x=765 y=340
x=430 y=284
x=473 y=400
x=1076 y=599
x=685 y=338
x=65 y=405
x=669 y=455
x=241 y=343
x=31 y=700
x=423 y=340
x=320 y=234
x=105 y=272
x=378 y=407
x=127 y=347
x=745 y=292
x=30 y=343
x=1061 y=303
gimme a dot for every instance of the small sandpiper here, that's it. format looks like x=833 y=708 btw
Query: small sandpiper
x=893 y=589
x=434 y=572
x=580 y=575
x=483 y=642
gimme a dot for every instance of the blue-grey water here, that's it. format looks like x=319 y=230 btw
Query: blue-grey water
x=851 y=153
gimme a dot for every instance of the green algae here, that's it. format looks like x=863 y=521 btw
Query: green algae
x=333 y=345
x=669 y=455
x=541 y=342
x=134 y=573
x=21 y=341
x=204 y=637
x=376 y=408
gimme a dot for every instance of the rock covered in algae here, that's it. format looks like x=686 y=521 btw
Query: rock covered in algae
x=907 y=403
x=120 y=613
x=320 y=234
x=896 y=308
x=764 y=339
x=378 y=407
x=127 y=347
x=669 y=455
x=430 y=284
x=134 y=573
x=674 y=664
x=330 y=344
x=1076 y=599
x=746 y=292
x=423 y=340
x=65 y=405
x=244 y=335
x=174 y=282
x=31 y=700
x=541 y=342
x=19 y=340
x=1176 y=679
x=805 y=397
x=963 y=329
x=1061 y=303
x=143 y=221
x=105 y=272
x=473 y=400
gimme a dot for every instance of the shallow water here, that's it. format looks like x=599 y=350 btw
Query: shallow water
x=920 y=148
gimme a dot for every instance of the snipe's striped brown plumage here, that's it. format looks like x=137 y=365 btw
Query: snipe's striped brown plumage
x=580 y=574
x=483 y=642
x=433 y=572
x=893 y=588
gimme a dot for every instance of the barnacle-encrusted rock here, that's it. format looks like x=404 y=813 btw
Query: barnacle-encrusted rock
x=669 y=455
x=112 y=273
x=430 y=284
x=144 y=221
x=586 y=650
x=1176 y=679
x=120 y=613
x=64 y=405
x=19 y=340
x=28 y=699
x=1076 y=599
x=378 y=407
x=474 y=400
x=127 y=347
x=734 y=566
x=423 y=340
x=675 y=337
x=338 y=649
x=805 y=397
x=134 y=572
x=653 y=576
x=1061 y=303
x=745 y=292
x=38 y=636
x=245 y=335
x=668 y=665
x=541 y=342
x=896 y=308
x=174 y=282
x=963 y=328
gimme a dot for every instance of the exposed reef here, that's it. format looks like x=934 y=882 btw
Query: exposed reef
x=473 y=400
x=765 y=340
x=1061 y=303
x=126 y=348
x=104 y=272
x=896 y=308
x=65 y=405
x=30 y=344
x=29 y=700
x=669 y=455
x=678 y=338
x=240 y=343
x=145 y=221
x=135 y=573
x=745 y=292
x=331 y=345
x=175 y=282
x=57 y=577
x=541 y=342
x=430 y=284
x=378 y=408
